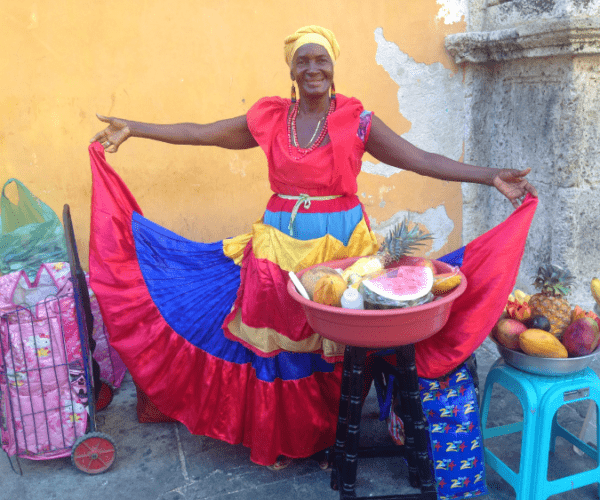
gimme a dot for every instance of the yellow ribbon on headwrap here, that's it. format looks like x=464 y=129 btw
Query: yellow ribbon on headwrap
x=311 y=34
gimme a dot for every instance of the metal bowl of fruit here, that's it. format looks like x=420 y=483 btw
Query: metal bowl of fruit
x=553 y=367
x=379 y=328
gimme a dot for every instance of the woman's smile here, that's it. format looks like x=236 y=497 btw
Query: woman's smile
x=312 y=69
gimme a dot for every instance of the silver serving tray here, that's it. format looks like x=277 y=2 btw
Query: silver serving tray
x=553 y=367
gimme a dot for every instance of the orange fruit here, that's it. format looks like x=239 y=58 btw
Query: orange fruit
x=329 y=290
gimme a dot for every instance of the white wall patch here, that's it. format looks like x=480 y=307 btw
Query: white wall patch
x=452 y=11
x=436 y=221
x=430 y=96
x=379 y=169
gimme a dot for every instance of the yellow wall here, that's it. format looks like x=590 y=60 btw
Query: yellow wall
x=186 y=60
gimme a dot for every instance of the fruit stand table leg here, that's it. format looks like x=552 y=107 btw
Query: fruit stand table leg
x=417 y=435
x=409 y=427
x=342 y=422
x=350 y=457
x=346 y=450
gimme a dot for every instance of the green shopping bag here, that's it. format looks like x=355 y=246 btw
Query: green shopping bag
x=30 y=233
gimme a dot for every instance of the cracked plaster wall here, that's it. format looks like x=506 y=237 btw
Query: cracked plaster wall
x=431 y=97
x=539 y=112
x=202 y=62
x=488 y=15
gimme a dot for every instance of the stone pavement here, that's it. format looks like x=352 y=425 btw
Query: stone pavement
x=165 y=462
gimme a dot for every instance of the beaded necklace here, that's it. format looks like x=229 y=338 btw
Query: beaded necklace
x=294 y=141
x=293 y=135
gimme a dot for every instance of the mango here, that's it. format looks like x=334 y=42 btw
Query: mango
x=581 y=337
x=507 y=332
x=593 y=322
x=541 y=344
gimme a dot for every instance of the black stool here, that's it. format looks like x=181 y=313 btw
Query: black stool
x=346 y=451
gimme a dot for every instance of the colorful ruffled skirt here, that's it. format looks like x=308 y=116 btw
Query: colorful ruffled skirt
x=209 y=332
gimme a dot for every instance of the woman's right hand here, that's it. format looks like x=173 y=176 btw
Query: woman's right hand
x=114 y=135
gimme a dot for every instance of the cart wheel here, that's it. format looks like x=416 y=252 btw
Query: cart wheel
x=93 y=453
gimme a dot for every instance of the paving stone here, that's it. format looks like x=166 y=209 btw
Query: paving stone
x=166 y=462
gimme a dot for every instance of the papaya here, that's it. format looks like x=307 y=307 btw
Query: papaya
x=541 y=344
x=329 y=290
x=309 y=278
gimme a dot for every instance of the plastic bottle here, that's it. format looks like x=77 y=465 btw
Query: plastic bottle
x=352 y=299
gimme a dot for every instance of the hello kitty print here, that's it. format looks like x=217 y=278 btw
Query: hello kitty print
x=43 y=394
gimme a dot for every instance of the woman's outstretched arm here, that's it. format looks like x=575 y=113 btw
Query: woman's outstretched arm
x=388 y=147
x=232 y=133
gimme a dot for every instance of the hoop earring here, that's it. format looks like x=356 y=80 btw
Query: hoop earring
x=332 y=90
x=293 y=94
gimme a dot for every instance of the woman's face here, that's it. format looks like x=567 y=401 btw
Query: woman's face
x=312 y=69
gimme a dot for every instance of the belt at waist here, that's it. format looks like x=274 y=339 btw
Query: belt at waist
x=306 y=199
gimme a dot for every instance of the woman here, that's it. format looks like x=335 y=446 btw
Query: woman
x=256 y=373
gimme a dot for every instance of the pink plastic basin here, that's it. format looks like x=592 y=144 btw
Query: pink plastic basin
x=380 y=328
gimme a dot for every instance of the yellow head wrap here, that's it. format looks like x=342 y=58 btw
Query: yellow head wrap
x=311 y=34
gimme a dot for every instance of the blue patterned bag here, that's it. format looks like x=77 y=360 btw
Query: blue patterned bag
x=456 y=445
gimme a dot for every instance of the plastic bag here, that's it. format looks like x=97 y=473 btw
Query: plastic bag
x=455 y=440
x=30 y=233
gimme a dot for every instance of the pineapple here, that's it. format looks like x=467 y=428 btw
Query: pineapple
x=554 y=284
x=398 y=243
x=402 y=241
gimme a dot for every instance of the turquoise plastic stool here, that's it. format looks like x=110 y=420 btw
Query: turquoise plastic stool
x=540 y=397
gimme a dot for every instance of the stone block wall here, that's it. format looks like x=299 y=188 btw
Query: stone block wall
x=532 y=98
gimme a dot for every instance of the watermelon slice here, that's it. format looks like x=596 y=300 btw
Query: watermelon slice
x=404 y=283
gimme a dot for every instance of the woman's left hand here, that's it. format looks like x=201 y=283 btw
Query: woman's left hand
x=512 y=184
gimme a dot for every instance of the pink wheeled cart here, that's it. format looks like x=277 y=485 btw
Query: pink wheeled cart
x=49 y=380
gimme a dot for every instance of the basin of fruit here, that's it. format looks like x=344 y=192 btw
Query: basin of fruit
x=380 y=328
x=553 y=367
x=543 y=333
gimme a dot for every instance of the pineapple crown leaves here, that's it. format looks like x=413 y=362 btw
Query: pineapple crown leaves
x=553 y=280
x=401 y=240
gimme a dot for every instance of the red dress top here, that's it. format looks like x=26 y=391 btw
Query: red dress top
x=328 y=170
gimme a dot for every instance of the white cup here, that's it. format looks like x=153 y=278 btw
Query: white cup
x=352 y=299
